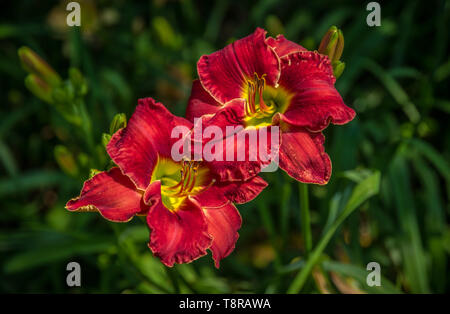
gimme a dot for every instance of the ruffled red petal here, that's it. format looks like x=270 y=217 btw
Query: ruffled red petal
x=303 y=157
x=283 y=47
x=180 y=236
x=315 y=102
x=200 y=102
x=240 y=192
x=111 y=193
x=135 y=149
x=223 y=225
x=224 y=73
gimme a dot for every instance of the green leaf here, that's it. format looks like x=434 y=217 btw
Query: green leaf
x=33 y=180
x=416 y=272
x=55 y=252
x=7 y=159
x=434 y=156
x=360 y=274
x=356 y=175
x=363 y=191
x=395 y=89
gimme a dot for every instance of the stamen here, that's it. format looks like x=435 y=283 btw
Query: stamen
x=182 y=172
x=261 y=86
x=260 y=110
x=192 y=184
x=180 y=184
x=217 y=207
x=250 y=110
x=188 y=180
x=207 y=187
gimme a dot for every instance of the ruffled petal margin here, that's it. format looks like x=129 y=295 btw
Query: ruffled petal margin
x=315 y=102
x=135 y=149
x=222 y=217
x=223 y=225
x=224 y=73
x=240 y=192
x=111 y=193
x=200 y=102
x=283 y=47
x=179 y=236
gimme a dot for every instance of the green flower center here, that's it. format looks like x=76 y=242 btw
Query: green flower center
x=180 y=180
x=263 y=101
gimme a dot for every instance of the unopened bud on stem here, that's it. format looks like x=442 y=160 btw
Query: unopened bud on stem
x=338 y=68
x=105 y=139
x=332 y=44
x=39 y=88
x=34 y=64
x=118 y=122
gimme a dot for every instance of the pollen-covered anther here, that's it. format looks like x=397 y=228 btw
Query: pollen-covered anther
x=188 y=178
x=255 y=105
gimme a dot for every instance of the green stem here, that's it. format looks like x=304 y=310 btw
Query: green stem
x=305 y=217
x=302 y=276
x=364 y=190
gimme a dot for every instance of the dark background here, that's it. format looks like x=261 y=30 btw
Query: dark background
x=396 y=79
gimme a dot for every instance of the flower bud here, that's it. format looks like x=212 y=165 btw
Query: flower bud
x=339 y=47
x=338 y=68
x=93 y=172
x=105 y=139
x=332 y=44
x=118 y=122
x=39 y=88
x=34 y=64
x=65 y=160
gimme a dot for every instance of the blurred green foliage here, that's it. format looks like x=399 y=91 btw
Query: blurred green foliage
x=396 y=78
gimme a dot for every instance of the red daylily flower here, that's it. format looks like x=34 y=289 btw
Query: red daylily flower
x=282 y=84
x=188 y=208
